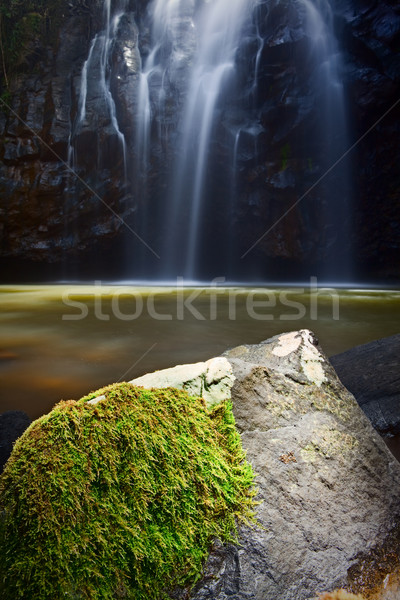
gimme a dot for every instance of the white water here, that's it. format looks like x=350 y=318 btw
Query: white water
x=260 y=46
x=218 y=30
x=171 y=33
x=102 y=43
x=327 y=57
x=107 y=41
x=143 y=122
x=192 y=53
x=83 y=86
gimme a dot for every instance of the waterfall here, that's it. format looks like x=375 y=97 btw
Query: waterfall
x=218 y=32
x=201 y=40
x=195 y=143
x=84 y=83
x=168 y=28
x=260 y=46
x=107 y=41
x=192 y=56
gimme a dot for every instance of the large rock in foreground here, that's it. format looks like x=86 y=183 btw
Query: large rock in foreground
x=329 y=488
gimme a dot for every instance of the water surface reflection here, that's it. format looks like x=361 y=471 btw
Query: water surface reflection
x=59 y=342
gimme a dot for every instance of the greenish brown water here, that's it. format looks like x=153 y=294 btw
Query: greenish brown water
x=59 y=342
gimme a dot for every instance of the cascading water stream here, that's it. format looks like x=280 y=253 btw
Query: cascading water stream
x=260 y=46
x=207 y=36
x=152 y=72
x=217 y=29
x=111 y=29
x=84 y=83
x=165 y=34
x=98 y=60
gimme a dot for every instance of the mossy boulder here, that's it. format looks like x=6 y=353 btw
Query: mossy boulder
x=121 y=499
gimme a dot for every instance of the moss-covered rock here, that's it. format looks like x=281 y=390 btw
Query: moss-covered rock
x=26 y=27
x=120 y=499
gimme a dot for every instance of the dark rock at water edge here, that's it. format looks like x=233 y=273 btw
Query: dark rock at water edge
x=12 y=425
x=371 y=372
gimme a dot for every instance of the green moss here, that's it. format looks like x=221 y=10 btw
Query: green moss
x=120 y=499
x=25 y=27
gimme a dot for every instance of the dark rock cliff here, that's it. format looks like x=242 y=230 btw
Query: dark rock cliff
x=288 y=108
x=50 y=216
x=47 y=212
x=370 y=37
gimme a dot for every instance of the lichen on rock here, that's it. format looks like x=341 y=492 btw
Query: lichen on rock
x=120 y=499
x=211 y=380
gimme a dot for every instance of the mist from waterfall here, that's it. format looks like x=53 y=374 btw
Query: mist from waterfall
x=333 y=137
x=201 y=40
x=192 y=50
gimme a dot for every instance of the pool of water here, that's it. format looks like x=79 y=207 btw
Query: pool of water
x=62 y=341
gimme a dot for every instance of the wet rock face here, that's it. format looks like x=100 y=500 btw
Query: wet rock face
x=48 y=212
x=279 y=161
x=292 y=158
x=274 y=111
x=369 y=34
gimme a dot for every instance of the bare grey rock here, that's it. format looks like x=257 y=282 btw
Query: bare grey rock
x=329 y=488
